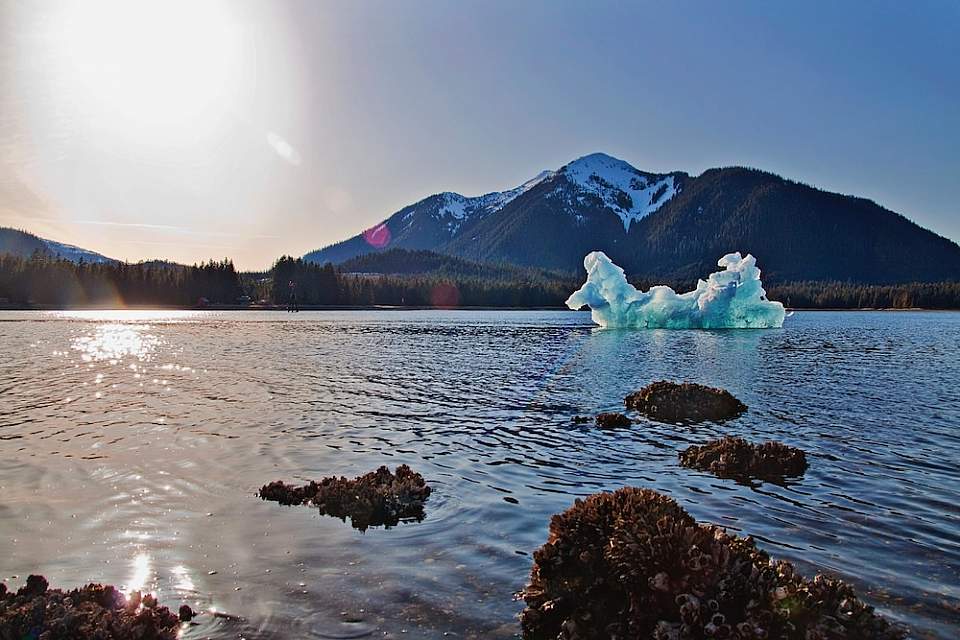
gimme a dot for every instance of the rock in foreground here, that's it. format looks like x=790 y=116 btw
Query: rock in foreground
x=684 y=402
x=736 y=458
x=634 y=564
x=612 y=420
x=375 y=499
x=95 y=611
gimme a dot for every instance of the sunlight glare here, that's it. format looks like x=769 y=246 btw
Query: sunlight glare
x=141 y=568
x=114 y=342
x=150 y=64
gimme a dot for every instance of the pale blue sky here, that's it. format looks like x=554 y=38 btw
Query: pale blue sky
x=250 y=129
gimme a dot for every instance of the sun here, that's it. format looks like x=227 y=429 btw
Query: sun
x=164 y=66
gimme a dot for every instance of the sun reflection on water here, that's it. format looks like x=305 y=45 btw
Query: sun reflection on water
x=114 y=342
x=184 y=581
x=127 y=315
x=142 y=571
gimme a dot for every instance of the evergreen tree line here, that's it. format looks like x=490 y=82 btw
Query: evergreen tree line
x=306 y=283
x=847 y=295
x=46 y=280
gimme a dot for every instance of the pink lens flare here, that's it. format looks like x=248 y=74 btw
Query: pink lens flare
x=445 y=294
x=378 y=236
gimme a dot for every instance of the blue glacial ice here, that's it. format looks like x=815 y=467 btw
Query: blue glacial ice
x=730 y=299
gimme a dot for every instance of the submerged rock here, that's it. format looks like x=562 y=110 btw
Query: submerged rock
x=684 y=402
x=612 y=420
x=95 y=611
x=736 y=458
x=374 y=499
x=581 y=419
x=634 y=564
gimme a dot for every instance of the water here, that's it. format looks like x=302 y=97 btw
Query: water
x=132 y=445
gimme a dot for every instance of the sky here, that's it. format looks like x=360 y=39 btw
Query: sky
x=200 y=129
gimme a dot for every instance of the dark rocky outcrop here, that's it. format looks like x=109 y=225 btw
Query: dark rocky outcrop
x=612 y=420
x=736 y=458
x=95 y=611
x=684 y=402
x=581 y=419
x=634 y=564
x=374 y=499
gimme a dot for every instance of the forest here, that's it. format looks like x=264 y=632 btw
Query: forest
x=45 y=281
x=48 y=281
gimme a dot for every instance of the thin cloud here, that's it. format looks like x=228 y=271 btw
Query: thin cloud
x=168 y=227
x=136 y=225
x=191 y=245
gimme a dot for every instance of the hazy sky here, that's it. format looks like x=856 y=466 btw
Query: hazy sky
x=190 y=130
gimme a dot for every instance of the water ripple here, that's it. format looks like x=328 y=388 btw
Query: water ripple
x=141 y=439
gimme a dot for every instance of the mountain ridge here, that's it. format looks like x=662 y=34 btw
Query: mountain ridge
x=25 y=244
x=670 y=225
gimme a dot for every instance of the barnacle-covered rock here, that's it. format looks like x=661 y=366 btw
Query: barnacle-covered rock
x=634 y=564
x=95 y=611
x=684 y=402
x=612 y=420
x=288 y=494
x=374 y=499
x=736 y=458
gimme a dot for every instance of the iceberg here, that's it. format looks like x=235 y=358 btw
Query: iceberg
x=730 y=299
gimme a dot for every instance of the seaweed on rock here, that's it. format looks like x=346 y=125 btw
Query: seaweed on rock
x=634 y=564
x=94 y=611
x=736 y=458
x=684 y=402
x=374 y=499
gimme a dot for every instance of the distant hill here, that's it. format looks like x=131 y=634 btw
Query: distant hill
x=24 y=244
x=667 y=225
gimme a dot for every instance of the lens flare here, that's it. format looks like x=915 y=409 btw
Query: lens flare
x=445 y=294
x=378 y=236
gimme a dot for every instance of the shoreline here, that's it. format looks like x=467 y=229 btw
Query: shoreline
x=253 y=307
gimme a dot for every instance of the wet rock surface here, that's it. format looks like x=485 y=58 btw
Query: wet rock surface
x=95 y=611
x=634 y=564
x=684 y=402
x=378 y=498
x=736 y=458
x=612 y=420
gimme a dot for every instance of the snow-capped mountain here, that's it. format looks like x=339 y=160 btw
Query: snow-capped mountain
x=628 y=192
x=25 y=244
x=576 y=190
x=666 y=225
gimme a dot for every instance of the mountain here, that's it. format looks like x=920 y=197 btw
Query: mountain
x=25 y=244
x=667 y=225
x=591 y=188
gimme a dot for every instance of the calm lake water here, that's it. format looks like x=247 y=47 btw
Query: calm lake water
x=132 y=445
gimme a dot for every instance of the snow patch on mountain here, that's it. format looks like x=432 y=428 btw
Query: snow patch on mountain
x=498 y=200
x=629 y=193
x=458 y=208
x=457 y=205
x=73 y=253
